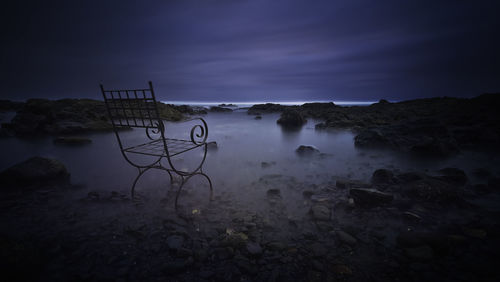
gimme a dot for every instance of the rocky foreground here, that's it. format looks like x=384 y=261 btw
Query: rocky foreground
x=399 y=227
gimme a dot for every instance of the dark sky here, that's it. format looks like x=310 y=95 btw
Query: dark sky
x=252 y=50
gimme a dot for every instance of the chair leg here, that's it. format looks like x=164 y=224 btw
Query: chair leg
x=184 y=182
x=141 y=172
x=179 y=191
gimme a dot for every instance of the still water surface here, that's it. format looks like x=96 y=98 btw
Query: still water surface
x=244 y=143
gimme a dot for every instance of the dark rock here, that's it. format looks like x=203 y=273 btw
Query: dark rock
x=267 y=164
x=191 y=110
x=7 y=105
x=274 y=192
x=291 y=118
x=410 y=177
x=371 y=139
x=432 y=190
x=370 y=197
x=212 y=145
x=258 y=117
x=72 y=140
x=481 y=172
x=36 y=171
x=318 y=250
x=307 y=194
x=254 y=249
x=320 y=212
x=494 y=183
x=346 y=238
x=347 y=183
x=265 y=108
x=306 y=150
x=421 y=253
x=382 y=176
x=453 y=176
x=216 y=109
x=174 y=267
x=175 y=242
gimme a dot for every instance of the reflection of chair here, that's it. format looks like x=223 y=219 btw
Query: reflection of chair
x=137 y=108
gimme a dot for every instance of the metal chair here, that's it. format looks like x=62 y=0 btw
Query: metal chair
x=138 y=108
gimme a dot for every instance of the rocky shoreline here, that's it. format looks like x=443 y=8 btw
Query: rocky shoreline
x=436 y=126
x=399 y=226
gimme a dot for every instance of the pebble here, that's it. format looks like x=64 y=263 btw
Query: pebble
x=346 y=238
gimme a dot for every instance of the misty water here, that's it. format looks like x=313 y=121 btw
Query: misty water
x=252 y=157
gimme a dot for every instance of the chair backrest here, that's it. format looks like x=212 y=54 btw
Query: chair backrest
x=132 y=107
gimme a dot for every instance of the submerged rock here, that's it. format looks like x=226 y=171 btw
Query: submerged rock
x=320 y=212
x=212 y=145
x=370 y=197
x=36 y=171
x=306 y=150
x=291 y=118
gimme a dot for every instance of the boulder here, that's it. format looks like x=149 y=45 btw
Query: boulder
x=212 y=145
x=382 y=176
x=453 y=176
x=346 y=238
x=291 y=118
x=36 y=171
x=371 y=139
x=306 y=150
x=216 y=109
x=370 y=197
x=320 y=212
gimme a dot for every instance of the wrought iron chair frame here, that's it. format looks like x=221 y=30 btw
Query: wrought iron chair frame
x=138 y=108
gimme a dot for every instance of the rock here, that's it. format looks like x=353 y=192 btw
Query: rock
x=341 y=269
x=254 y=249
x=175 y=242
x=371 y=139
x=432 y=190
x=265 y=108
x=274 y=192
x=73 y=140
x=267 y=164
x=421 y=253
x=370 y=197
x=347 y=183
x=212 y=145
x=453 y=176
x=307 y=194
x=306 y=150
x=346 y=238
x=36 y=171
x=258 y=117
x=318 y=250
x=174 y=267
x=382 y=176
x=494 y=183
x=216 y=109
x=291 y=118
x=320 y=212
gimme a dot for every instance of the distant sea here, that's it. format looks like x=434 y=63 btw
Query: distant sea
x=249 y=104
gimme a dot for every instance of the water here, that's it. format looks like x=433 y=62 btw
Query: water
x=249 y=104
x=236 y=167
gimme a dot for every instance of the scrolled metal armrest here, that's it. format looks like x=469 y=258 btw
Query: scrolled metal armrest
x=200 y=137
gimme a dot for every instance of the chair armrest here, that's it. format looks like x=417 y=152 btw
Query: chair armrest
x=199 y=132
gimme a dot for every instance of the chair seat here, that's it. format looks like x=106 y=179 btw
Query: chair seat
x=156 y=148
